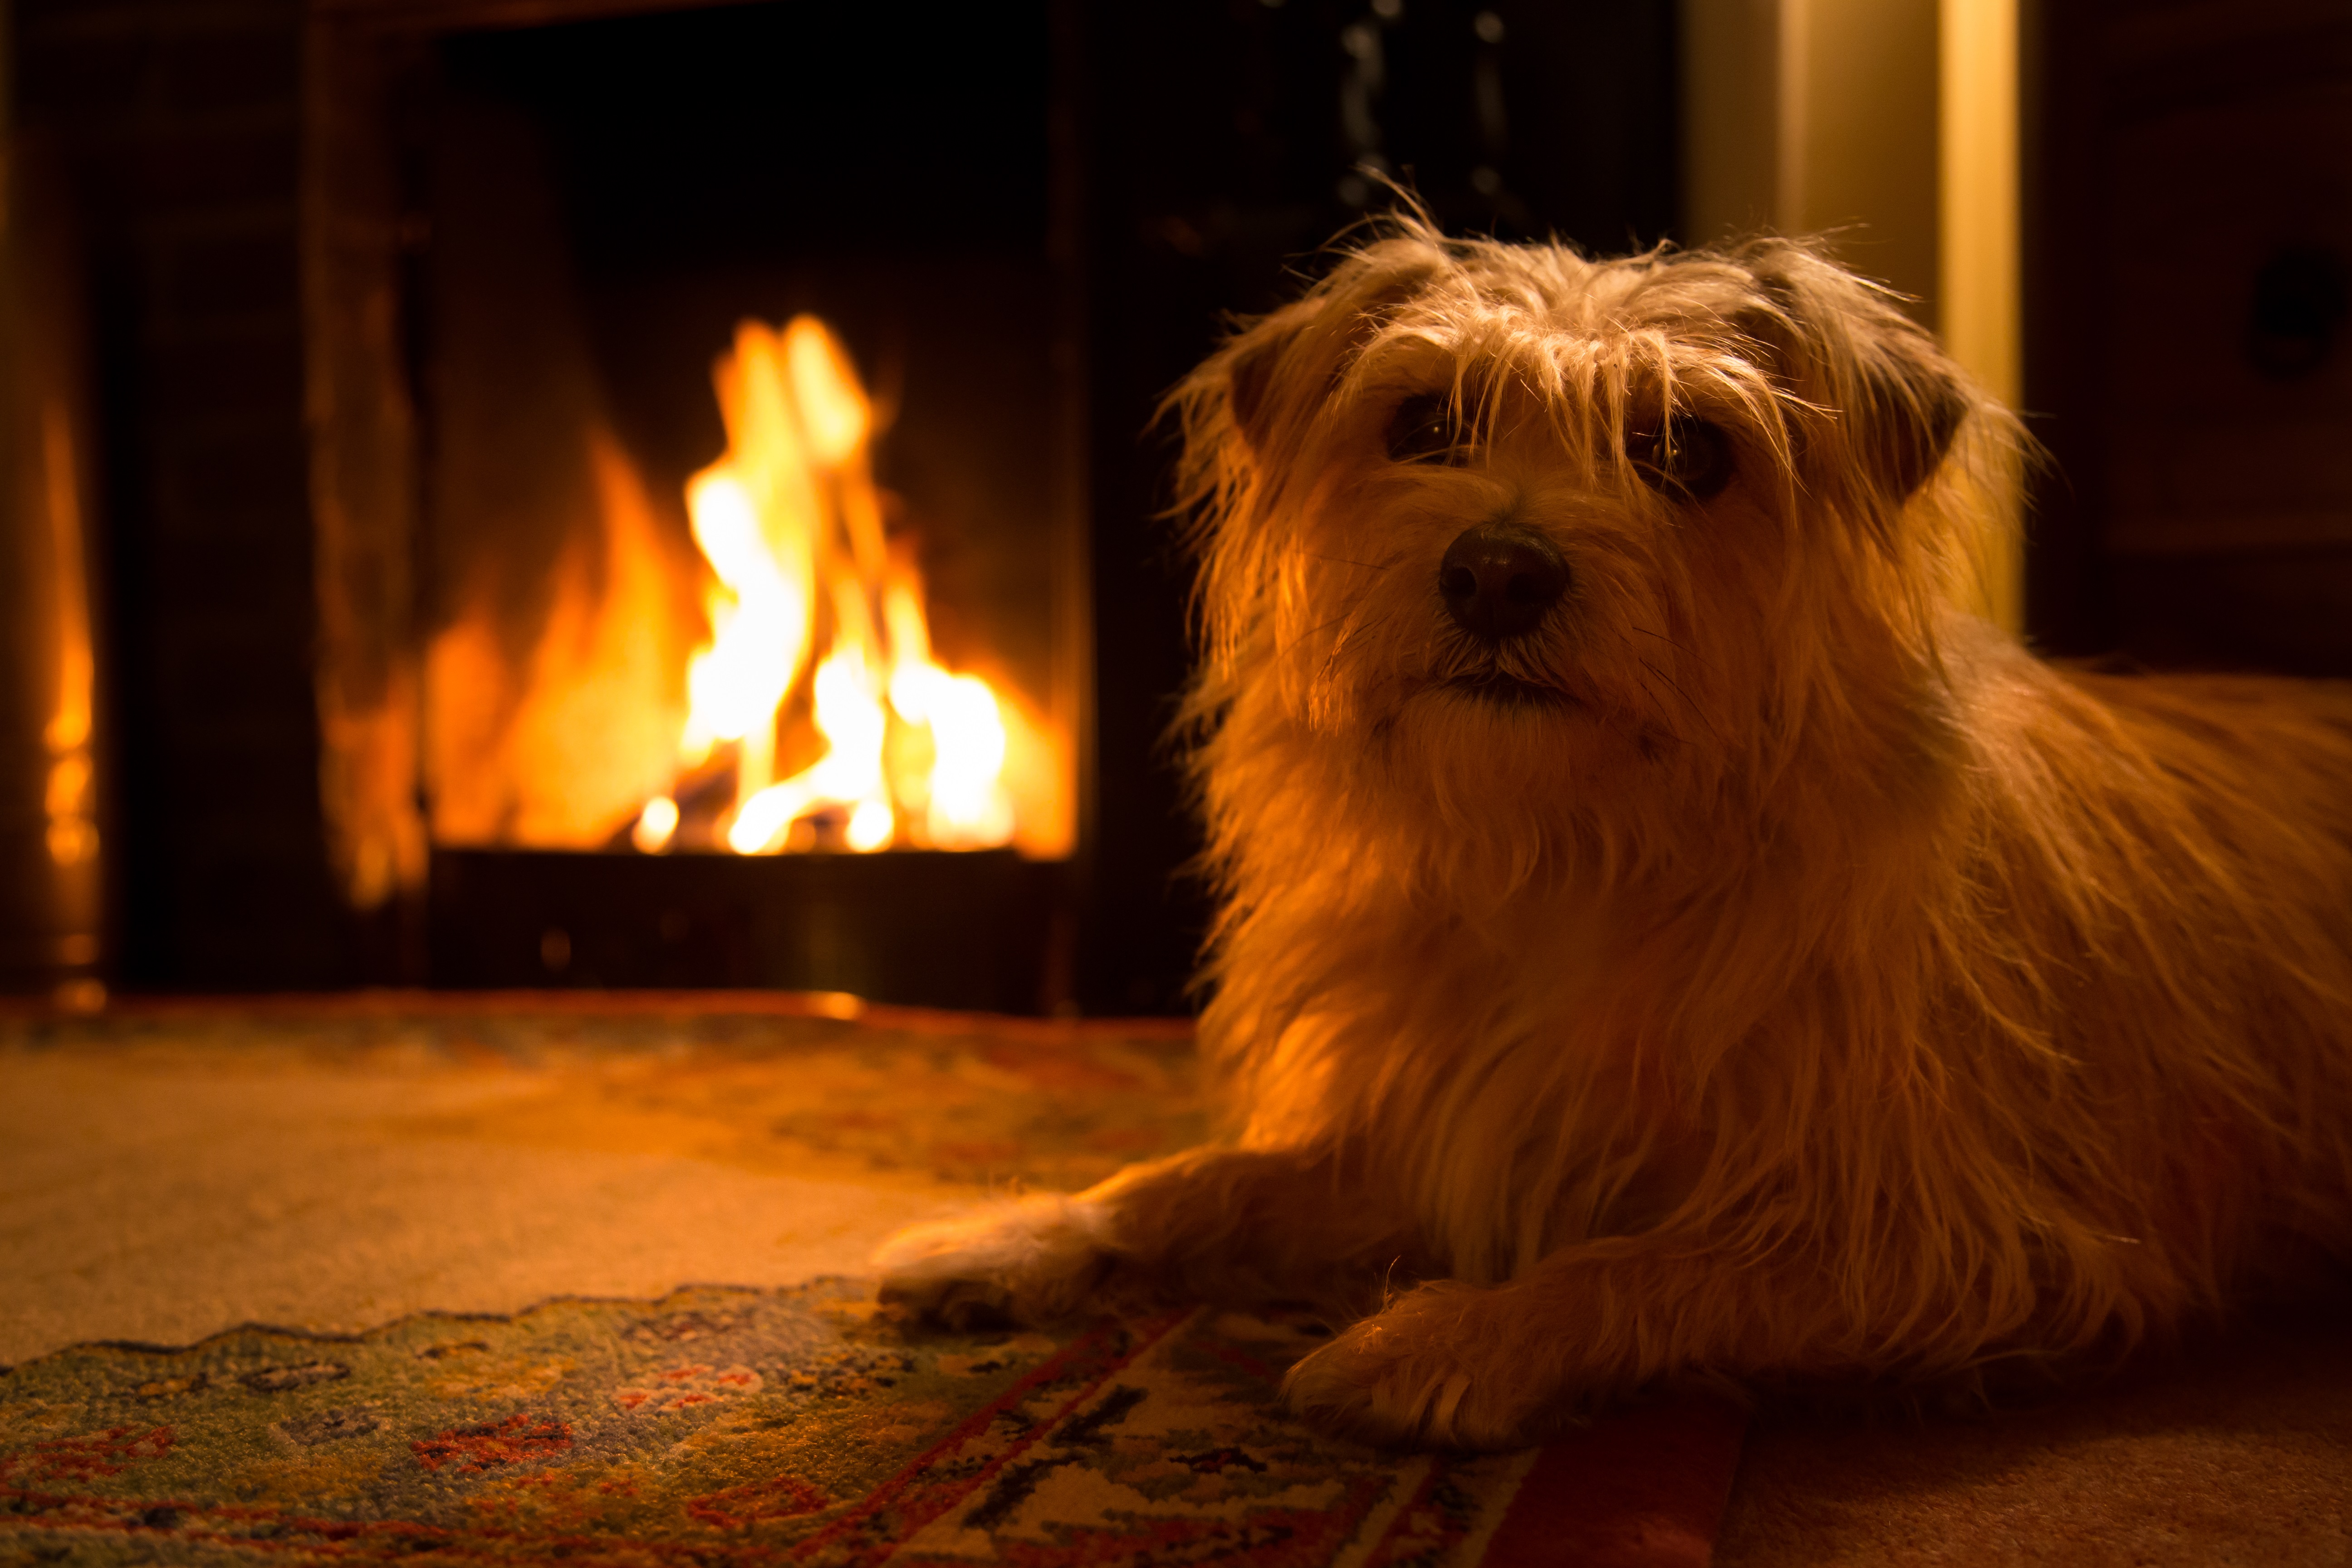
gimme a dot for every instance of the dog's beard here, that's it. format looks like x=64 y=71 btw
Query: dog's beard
x=1385 y=645
x=1542 y=694
x=1523 y=674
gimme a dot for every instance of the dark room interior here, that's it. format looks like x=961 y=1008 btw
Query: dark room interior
x=441 y=1116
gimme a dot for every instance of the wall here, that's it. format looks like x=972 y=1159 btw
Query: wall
x=1889 y=129
x=2189 y=249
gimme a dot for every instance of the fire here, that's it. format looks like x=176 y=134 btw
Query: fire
x=811 y=595
x=557 y=747
x=770 y=686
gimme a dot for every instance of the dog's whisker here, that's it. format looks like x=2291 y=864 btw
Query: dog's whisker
x=1662 y=637
x=1316 y=630
x=1696 y=711
x=1652 y=724
x=1339 y=643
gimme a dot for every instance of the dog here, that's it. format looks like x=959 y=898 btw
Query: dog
x=1664 y=936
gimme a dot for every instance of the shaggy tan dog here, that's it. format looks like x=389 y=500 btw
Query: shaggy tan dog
x=1663 y=936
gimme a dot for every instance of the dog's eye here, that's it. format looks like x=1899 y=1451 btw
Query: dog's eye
x=1426 y=428
x=1691 y=459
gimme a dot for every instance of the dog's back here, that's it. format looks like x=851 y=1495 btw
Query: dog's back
x=2148 y=997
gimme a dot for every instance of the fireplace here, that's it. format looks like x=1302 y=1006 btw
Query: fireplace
x=737 y=494
x=410 y=317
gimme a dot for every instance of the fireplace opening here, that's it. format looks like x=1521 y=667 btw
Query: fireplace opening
x=747 y=544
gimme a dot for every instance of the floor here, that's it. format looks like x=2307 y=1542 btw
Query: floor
x=161 y=1189
x=159 y=1184
x=2235 y=1451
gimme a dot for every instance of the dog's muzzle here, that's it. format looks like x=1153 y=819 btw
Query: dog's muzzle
x=1498 y=581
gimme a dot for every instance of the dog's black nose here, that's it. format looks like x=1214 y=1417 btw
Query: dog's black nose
x=1498 y=581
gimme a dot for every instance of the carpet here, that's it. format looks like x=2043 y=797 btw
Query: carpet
x=560 y=1280
x=2229 y=1451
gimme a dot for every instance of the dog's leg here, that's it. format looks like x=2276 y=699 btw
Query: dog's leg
x=1496 y=1367
x=1230 y=1225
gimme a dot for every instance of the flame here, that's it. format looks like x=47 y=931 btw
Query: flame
x=910 y=752
x=562 y=752
x=782 y=693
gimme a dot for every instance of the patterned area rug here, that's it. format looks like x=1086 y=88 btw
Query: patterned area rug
x=724 y=1425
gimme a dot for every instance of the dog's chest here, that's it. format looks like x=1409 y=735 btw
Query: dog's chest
x=1525 y=1117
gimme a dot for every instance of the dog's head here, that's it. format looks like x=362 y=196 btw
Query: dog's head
x=1498 y=531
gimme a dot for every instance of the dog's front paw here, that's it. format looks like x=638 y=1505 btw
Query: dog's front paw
x=1420 y=1374
x=1033 y=1262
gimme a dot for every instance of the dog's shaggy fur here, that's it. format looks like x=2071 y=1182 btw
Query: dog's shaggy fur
x=1759 y=967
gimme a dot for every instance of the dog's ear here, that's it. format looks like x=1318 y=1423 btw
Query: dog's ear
x=1909 y=406
x=1839 y=344
x=1307 y=346
x=1253 y=361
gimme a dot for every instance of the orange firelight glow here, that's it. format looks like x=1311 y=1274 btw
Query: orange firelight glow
x=789 y=519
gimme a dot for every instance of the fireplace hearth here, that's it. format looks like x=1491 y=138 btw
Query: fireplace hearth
x=985 y=930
